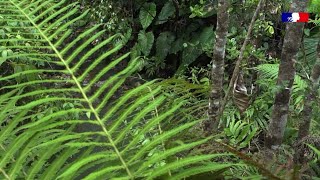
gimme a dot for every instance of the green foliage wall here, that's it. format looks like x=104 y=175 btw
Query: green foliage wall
x=168 y=35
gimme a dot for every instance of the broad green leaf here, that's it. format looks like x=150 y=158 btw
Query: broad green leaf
x=177 y=45
x=145 y=41
x=206 y=36
x=147 y=14
x=167 y=11
x=189 y=55
x=135 y=51
x=163 y=44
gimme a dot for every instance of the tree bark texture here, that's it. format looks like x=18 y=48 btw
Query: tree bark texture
x=307 y=110
x=217 y=72
x=291 y=44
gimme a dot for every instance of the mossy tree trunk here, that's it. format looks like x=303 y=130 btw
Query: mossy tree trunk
x=307 y=109
x=221 y=104
x=217 y=72
x=291 y=44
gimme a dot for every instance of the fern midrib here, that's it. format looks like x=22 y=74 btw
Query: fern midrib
x=80 y=88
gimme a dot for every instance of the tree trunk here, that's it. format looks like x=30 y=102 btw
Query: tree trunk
x=236 y=70
x=217 y=72
x=307 y=110
x=291 y=44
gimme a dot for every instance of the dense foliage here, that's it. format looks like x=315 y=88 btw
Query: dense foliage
x=119 y=90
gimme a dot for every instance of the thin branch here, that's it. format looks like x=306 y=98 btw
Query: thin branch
x=240 y=59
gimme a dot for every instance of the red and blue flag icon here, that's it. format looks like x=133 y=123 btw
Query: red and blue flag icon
x=295 y=17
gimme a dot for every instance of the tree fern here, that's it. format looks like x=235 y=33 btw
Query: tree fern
x=49 y=144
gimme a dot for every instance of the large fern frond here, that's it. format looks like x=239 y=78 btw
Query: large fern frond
x=61 y=113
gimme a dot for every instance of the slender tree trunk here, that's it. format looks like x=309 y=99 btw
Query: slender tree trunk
x=307 y=110
x=236 y=70
x=217 y=72
x=291 y=44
